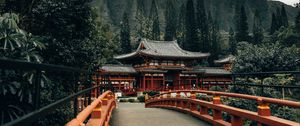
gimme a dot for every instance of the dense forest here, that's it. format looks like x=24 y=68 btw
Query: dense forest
x=262 y=35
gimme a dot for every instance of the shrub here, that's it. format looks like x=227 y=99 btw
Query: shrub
x=131 y=100
x=141 y=98
x=123 y=100
x=151 y=93
x=215 y=88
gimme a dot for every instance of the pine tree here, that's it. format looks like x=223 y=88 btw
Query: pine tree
x=284 y=18
x=125 y=35
x=191 y=36
x=242 y=26
x=215 y=45
x=278 y=18
x=232 y=41
x=297 y=22
x=155 y=21
x=202 y=27
x=236 y=16
x=273 y=24
x=141 y=11
x=210 y=27
x=258 y=35
x=171 y=17
x=180 y=31
x=144 y=24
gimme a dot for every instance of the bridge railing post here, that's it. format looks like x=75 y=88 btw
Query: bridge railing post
x=193 y=106
x=217 y=114
x=236 y=121
x=263 y=108
x=96 y=114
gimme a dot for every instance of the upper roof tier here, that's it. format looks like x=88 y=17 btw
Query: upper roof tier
x=162 y=49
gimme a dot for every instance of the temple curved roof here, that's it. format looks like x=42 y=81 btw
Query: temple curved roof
x=162 y=49
x=228 y=59
x=111 y=68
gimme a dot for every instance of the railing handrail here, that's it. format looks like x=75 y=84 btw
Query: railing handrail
x=24 y=65
x=243 y=96
x=32 y=116
x=266 y=73
x=199 y=107
x=96 y=107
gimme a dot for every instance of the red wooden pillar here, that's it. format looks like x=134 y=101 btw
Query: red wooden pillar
x=141 y=81
x=119 y=84
x=196 y=85
x=152 y=85
x=144 y=83
x=163 y=81
x=263 y=109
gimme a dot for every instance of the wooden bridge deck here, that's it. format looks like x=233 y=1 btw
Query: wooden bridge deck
x=135 y=114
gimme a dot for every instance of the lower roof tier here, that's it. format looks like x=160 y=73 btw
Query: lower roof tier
x=127 y=69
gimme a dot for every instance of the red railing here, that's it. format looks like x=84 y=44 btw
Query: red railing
x=191 y=104
x=100 y=110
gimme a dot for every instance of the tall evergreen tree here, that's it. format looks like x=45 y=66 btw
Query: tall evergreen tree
x=232 y=42
x=191 y=36
x=155 y=21
x=125 y=35
x=237 y=12
x=202 y=27
x=210 y=28
x=258 y=35
x=180 y=31
x=284 y=18
x=242 y=33
x=278 y=18
x=171 y=17
x=144 y=24
x=297 y=22
x=215 y=39
x=273 y=24
x=141 y=11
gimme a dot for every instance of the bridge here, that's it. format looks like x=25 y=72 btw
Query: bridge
x=168 y=108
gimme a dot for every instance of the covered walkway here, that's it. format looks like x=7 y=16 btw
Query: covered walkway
x=135 y=114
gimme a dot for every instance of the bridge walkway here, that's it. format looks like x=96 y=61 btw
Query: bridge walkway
x=135 y=114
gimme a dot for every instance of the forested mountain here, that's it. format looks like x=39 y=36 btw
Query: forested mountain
x=111 y=11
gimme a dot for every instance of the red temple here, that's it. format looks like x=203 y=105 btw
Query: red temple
x=163 y=65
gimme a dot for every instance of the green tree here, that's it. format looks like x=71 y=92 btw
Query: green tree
x=266 y=57
x=180 y=32
x=190 y=36
x=297 y=22
x=279 y=18
x=242 y=33
x=125 y=35
x=232 y=42
x=16 y=43
x=171 y=17
x=144 y=24
x=155 y=18
x=215 y=45
x=274 y=26
x=284 y=18
x=202 y=28
x=74 y=21
x=257 y=30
